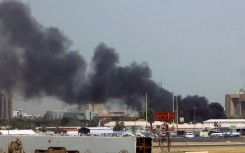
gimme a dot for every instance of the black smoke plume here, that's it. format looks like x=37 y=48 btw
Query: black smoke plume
x=198 y=109
x=129 y=83
x=37 y=61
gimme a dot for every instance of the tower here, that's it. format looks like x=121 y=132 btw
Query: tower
x=235 y=104
x=6 y=105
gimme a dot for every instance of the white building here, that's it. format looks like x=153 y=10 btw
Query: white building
x=17 y=132
x=20 y=113
x=96 y=130
x=208 y=124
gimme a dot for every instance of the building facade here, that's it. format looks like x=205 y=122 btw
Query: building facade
x=6 y=105
x=54 y=114
x=98 y=108
x=235 y=104
x=59 y=114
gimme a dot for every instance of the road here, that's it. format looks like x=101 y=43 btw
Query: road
x=205 y=139
x=203 y=142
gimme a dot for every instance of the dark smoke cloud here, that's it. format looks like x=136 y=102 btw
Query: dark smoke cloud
x=34 y=57
x=37 y=61
x=199 y=107
x=129 y=83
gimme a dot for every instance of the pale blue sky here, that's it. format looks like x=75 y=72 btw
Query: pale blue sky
x=192 y=46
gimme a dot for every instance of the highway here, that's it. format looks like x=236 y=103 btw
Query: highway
x=180 y=142
x=205 y=139
x=208 y=139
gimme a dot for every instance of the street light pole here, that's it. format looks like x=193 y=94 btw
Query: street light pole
x=146 y=111
x=135 y=123
x=194 y=118
x=177 y=111
x=8 y=126
x=173 y=105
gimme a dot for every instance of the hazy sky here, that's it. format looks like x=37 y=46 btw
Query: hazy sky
x=193 y=47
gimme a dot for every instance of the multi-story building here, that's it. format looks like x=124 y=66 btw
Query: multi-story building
x=54 y=114
x=79 y=114
x=235 y=104
x=6 y=105
x=19 y=113
x=98 y=108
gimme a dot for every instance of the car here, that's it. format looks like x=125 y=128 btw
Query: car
x=234 y=134
x=140 y=135
x=217 y=134
x=189 y=135
x=128 y=135
x=174 y=134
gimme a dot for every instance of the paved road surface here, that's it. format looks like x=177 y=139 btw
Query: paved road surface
x=207 y=139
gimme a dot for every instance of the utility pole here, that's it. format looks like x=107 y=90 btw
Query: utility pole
x=194 y=118
x=173 y=105
x=146 y=110
x=177 y=111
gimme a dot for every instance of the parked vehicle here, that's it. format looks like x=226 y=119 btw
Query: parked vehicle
x=217 y=134
x=128 y=135
x=140 y=135
x=174 y=134
x=189 y=135
x=235 y=134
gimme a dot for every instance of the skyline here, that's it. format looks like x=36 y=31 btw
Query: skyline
x=192 y=47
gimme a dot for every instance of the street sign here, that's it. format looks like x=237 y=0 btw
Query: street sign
x=164 y=116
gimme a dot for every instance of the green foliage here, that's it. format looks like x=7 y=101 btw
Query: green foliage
x=150 y=115
x=24 y=123
x=94 y=122
x=119 y=126
x=64 y=121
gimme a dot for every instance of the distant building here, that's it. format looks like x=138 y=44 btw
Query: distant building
x=208 y=124
x=59 y=114
x=17 y=132
x=95 y=130
x=54 y=114
x=89 y=115
x=78 y=114
x=81 y=115
x=235 y=104
x=19 y=113
x=98 y=108
x=6 y=105
x=113 y=114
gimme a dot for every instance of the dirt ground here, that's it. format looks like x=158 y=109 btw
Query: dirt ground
x=214 y=147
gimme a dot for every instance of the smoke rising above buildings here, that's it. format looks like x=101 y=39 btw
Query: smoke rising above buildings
x=35 y=58
x=37 y=61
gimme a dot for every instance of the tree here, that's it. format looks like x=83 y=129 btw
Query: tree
x=150 y=115
x=94 y=122
x=119 y=126
x=64 y=121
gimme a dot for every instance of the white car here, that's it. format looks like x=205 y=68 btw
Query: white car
x=140 y=135
x=128 y=135
x=189 y=135
x=234 y=134
x=216 y=134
